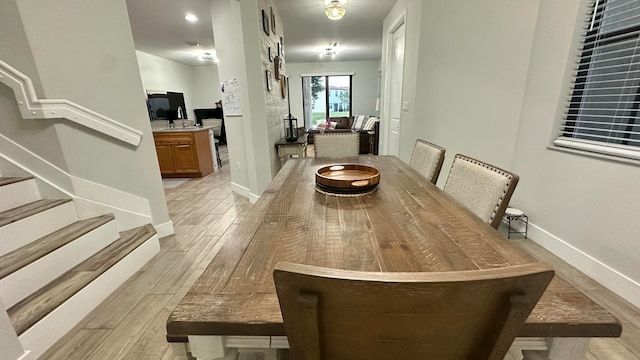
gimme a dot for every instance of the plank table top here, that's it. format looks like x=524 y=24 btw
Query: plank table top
x=408 y=224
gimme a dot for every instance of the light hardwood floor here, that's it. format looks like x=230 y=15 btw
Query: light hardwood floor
x=130 y=324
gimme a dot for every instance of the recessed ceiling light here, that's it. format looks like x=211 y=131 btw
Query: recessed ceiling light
x=191 y=18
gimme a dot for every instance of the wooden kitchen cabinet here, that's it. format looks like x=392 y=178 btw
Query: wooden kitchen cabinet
x=183 y=153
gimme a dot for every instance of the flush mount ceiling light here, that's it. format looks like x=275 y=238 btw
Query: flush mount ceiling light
x=210 y=57
x=191 y=18
x=335 y=9
x=332 y=50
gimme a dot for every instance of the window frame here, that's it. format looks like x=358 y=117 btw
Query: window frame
x=570 y=139
x=309 y=122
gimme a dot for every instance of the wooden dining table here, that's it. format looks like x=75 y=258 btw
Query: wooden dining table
x=407 y=225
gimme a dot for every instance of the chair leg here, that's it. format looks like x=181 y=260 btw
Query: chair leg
x=218 y=156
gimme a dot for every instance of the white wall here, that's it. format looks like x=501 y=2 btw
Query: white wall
x=91 y=63
x=199 y=84
x=206 y=86
x=471 y=76
x=365 y=83
x=583 y=208
x=498 y=95
x=166 y=75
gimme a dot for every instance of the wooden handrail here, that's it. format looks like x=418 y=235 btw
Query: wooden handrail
x=33 y=108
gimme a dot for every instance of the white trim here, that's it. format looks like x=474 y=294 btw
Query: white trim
x=385 y=82
x=90 y=198
x=602 y=148
x=108 y=195
x=33 y=108
x=244 y=191
x=610 y=278
x=164 y=229
x=61 y=320
x=336 y=73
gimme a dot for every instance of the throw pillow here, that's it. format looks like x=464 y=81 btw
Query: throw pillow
x=358 y=122
x=370 y=123
x=341 y=122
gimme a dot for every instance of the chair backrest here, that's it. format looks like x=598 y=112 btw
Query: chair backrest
x=336 y=144
x=480 y=187
x=217 y=127
x=332 y=314
x=427 y=159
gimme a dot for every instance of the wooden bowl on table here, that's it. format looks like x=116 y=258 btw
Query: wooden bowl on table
x=347 y=178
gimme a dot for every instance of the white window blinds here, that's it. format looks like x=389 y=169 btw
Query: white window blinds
x=603 y=113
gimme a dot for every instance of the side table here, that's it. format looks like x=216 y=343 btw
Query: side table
x=291 y=148
x=513 y=214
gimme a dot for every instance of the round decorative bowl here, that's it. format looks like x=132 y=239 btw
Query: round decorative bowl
x=347 y=179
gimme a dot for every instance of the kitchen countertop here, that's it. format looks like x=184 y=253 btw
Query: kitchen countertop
x=181 y=129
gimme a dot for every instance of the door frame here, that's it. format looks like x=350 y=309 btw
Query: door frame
x=385 y=118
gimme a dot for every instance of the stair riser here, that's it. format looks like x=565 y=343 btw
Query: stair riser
x=50 y=329
x=30 y=278
x=24 y=231
x=18 y=194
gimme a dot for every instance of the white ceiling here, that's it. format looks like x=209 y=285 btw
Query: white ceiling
x=159 y=28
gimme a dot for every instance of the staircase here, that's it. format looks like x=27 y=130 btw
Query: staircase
x=55 y=267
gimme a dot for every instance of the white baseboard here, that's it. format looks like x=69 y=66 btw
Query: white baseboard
x=164 y=229
x=246 y=192
x=91 y=198
x=608 y=277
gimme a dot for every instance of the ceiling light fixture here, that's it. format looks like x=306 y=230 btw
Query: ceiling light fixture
x=335 y=9
x=332 y=50
x=210 y=57
x=191 y=18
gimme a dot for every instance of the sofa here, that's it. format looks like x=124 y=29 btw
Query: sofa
x=365 y=126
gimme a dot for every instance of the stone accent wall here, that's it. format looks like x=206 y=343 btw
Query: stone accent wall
x=275 y=104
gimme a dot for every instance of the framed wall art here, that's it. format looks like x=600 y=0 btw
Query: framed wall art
x=277 y=66
x=283 y=86
x=269 y=80
x=265 y=22
x=270 y=54
x=273 y=21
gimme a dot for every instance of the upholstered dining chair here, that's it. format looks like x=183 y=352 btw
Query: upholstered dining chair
x=332 y=314
x=336 y=144
x=480 y=187
x=427 y=159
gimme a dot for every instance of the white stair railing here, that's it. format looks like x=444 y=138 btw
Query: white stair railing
x=33 y=108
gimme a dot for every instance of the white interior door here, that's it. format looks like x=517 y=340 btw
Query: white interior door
x=395 y=93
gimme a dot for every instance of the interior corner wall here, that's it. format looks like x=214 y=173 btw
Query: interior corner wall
x=199 y=84
x=275 y=104
x=206 y=87
x=584 y=209
x=227 y=33
x=472 y=71
x=84 y=53
x=162 y=74
x=365 y=83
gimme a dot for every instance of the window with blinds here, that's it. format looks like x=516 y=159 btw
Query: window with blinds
x=603 y=114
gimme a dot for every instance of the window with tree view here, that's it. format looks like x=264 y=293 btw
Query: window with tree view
x=325 y=97
x=604 y=111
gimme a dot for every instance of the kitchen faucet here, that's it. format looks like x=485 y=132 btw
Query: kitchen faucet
x=181 y=116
